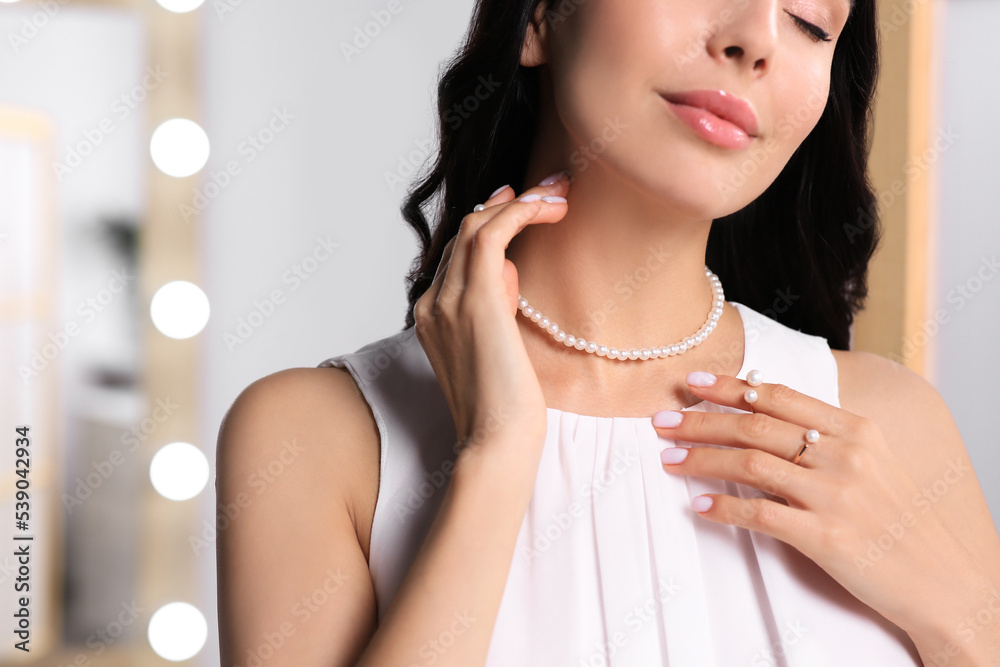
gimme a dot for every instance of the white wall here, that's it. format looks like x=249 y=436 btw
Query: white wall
x=966 y=368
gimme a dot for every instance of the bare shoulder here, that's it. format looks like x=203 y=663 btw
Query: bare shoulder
x=910 y=412
x=893 y=395
x=294 y=484
x=318 y=418
x=920 y=430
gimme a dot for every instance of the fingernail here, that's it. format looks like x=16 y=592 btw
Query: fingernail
x=554 y=199
x=667 y=418
x=673 y=455
x=532 y=197
x=499 y=190
x=700 y=379
x=549 y=180
x=701 y=503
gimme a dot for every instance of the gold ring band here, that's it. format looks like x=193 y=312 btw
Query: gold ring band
x=798 y=454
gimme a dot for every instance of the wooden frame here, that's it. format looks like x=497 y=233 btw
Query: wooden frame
x=169 y=569
x=37 y=305
x=897 y=307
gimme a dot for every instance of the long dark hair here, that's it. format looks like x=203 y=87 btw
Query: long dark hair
x=798 y=253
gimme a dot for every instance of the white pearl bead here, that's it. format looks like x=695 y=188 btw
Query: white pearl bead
x=812 y=435
x=718 y=304
x=755 y=378
x=750 y=396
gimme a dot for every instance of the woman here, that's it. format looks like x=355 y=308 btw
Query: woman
x=485 y=490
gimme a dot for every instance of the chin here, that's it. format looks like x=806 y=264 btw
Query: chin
x=701 y=198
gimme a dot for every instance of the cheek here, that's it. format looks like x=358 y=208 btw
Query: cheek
x=800 y=105
x=594 y=75
x=608 y=61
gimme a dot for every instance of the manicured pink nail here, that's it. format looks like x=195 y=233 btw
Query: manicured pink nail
x=498 y=191
x=549 y=180
x=532 y=197
x=674 y=454
x=667 y=418
x=701 y=379
x=701 y=503
x=552 y=199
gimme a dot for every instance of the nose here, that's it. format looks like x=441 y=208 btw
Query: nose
x=747 y=33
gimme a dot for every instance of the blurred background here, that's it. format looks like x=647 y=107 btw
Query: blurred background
x=197 y=193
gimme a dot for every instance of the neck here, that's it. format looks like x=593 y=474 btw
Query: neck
x=615 y=271
x=615 y=283
x=625 y=268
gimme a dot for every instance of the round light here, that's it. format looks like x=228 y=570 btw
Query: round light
x=179 y=147
x=180 y=6
x=179 y=471
x=177 y=631
x=179 y=309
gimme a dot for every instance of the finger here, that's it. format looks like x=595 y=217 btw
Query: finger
x=775 y=399
x=449 y=249
x=505 y=196
x=758 y=431
x=434 y=289
x=754 y=468
x=796 y=527
x=501 y=196
x=486 y=257
x=510 y=285
x=456 y=275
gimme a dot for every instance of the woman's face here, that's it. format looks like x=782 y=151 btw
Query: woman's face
x=610 y=63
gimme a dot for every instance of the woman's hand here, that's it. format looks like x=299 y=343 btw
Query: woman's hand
x=847 y=504
x=466 y=321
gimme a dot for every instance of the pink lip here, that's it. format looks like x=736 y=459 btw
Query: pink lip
x=717 y=116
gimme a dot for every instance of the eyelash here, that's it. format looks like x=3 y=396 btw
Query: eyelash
x=818 y=34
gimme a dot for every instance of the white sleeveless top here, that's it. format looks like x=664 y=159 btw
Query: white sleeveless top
x=612 y=567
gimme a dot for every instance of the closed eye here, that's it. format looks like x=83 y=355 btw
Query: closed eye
x=815 y=32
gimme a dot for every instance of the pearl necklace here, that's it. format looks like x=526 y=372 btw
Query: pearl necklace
x=590 y=346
